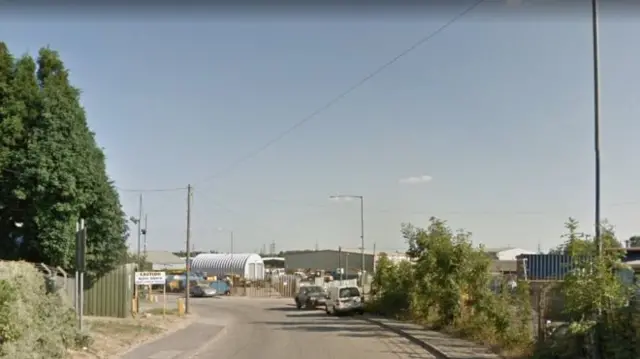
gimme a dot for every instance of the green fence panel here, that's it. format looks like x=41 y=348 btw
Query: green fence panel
x=110 y=295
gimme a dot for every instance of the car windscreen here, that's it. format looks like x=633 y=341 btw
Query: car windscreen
x=349 y=292
x=315 y=289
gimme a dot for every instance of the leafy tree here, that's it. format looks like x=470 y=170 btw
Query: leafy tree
x=447 y=284
x=53 y=171
x=634 y=241
x=581 y=244
x=596 y=299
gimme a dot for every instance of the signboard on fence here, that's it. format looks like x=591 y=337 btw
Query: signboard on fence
x=150 y=278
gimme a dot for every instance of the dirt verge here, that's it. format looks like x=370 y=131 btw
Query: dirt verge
x=112 y=337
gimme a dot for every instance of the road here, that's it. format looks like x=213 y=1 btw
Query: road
x=275 y=329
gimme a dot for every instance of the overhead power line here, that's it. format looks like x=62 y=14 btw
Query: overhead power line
x=145 y=190
x=326 y=106
x=343 y=94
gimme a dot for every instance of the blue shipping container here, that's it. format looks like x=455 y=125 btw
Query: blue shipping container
x=545 y=266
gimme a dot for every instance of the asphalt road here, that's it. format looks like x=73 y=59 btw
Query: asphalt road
x=274 y=329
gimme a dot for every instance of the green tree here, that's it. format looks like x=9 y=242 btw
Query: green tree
x=634 y=241
x=581 y=244
x=53 y=171
x=596 y=300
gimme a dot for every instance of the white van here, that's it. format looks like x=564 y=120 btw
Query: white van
x=344 y=299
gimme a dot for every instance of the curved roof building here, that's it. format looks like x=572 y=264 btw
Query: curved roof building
x=246 y=265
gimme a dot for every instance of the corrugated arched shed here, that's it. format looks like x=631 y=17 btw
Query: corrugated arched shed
x=246 y=265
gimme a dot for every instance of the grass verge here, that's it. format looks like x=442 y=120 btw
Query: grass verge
x=110 y=337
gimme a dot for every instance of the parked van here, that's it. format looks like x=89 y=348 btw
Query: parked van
x=344 y=299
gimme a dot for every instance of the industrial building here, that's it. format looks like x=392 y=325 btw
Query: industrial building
x=506 y=253
x=164 y=260
x=246 y=265
x=328 y=260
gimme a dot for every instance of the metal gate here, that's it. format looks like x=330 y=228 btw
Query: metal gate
x=276 y=287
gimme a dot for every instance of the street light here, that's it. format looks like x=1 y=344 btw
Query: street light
x=137 y=222
x=361 y=198
x=220 y=229
x=596 y=120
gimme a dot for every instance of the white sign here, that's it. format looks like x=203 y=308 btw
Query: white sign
x=150 y=278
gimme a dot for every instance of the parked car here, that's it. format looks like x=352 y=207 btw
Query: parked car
x=343 y=300
x=310 y=296
x=202 y=290
x=221 y=287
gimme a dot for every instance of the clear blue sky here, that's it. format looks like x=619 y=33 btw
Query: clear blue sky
x=497 y=109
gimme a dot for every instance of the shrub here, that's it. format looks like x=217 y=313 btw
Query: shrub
x=604 y=317
x=34 y=323
x=446 y=284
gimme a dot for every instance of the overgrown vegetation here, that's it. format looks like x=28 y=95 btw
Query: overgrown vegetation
x=599 y=300
x=447 y=285
x=34 y=323
x=52 y=172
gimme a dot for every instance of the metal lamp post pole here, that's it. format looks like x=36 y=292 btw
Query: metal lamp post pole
x=361 y=198
x=596 y=122
x=231 y=245
x=362 y=237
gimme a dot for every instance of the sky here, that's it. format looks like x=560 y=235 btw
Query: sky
x=495 y=113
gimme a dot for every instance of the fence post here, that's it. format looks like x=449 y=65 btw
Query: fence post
x=76 y=288
x=65 y=275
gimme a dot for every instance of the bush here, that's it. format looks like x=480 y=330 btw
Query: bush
x=447 y=285
x=34 y=323
x=603 y=311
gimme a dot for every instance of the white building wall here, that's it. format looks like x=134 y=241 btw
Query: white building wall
x=394 y=257
x=511 y=254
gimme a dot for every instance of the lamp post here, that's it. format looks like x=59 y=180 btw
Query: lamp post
x=596 y=119
x=361 y=198
x=138 y=221
x=220 y=229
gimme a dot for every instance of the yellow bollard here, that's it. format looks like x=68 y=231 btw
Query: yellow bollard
x=134 y=306
x=180 y=306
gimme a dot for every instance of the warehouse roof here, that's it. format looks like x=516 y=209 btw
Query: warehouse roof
x=344 y=250
x=164 y=257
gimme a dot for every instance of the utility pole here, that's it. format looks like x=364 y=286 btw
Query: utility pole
x=139 y=231
x=188 y=245
x=596 y=122
x=144 y=232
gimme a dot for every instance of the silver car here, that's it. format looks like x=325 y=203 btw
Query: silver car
x=202 y=290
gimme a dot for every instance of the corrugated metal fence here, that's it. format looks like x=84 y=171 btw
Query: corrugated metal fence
x=111 y=295
x=108 y=296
